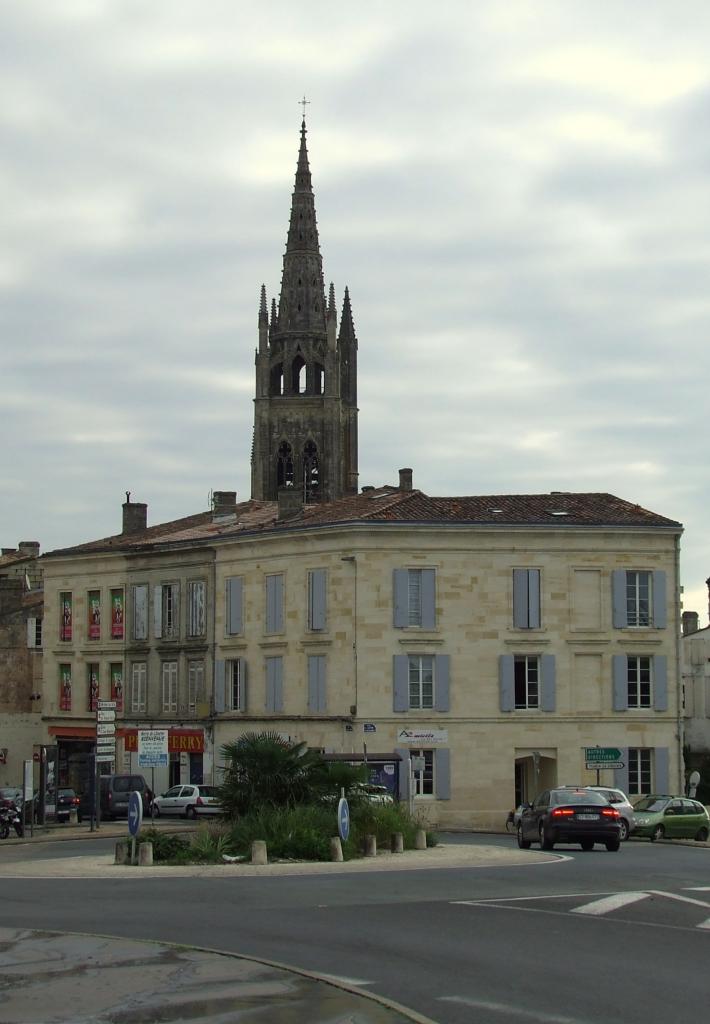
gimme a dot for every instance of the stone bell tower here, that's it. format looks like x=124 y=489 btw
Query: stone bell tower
x=305 y=409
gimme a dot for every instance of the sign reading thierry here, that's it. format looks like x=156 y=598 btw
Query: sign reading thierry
x=152 y=748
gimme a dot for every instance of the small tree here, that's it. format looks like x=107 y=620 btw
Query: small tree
x=264 y=769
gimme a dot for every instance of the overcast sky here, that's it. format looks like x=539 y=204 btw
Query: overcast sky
x=516 y=193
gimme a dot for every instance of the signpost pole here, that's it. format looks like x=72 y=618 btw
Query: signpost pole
x=152 y=789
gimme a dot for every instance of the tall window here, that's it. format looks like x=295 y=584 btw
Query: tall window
x=275 y=603
x=139 y=687
x=140 y=611
x=311 y=471
x=638 y=598
x=526 y=598
x=284 y=465
x=316 y=599
x=166 y=611
x=527 y=681
x=640 y=770
x=65 y=615
x=235 y=685
x=195 y=684
x=93 y=686
x=639 y=681
x=34 y=632
x=414 y=597
x=65 y=687
x=421 y=681
x=117 y=614
x=423 y=772
x=196 y=607
x=94 y=609
x=117 y=685
x=170 y=687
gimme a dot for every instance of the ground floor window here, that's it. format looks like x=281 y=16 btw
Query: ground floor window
x=640 y=770
x=423 y=772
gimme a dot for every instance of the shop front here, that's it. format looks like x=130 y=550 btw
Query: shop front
x=189 y=758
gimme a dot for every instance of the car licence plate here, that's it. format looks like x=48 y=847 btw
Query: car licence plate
x=588 y=817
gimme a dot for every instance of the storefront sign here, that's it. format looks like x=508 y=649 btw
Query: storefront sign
x=152 y=748
x=421 y=736
x=189 y=741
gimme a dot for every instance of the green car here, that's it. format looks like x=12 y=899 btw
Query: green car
x=671 y=817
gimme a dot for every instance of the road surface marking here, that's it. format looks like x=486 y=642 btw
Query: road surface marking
x=609 y=903
x=342 y=980
x=510 y=1011
x=681 y=899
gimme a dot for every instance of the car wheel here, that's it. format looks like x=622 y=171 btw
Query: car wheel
x=190 y=812
x=701 y=835
x=613 y=845
x=587 y=845
x=545 y=842
x=156 y=811
x=523 y=843
x=658 y=833
x=624 y=830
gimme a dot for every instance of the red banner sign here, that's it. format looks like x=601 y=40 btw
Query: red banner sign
x=117 y=686
x=94 y=615
x=65 y=688
x=66 y=616
x=117 y=615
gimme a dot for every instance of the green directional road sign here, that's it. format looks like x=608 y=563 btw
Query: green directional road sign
x=602 y=754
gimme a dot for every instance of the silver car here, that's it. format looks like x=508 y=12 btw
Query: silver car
x=619 y=799
x=187 y=801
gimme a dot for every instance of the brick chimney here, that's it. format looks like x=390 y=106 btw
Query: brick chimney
x=135 y=516
x=690 y=623
x=290 y=502
x=405 y=479
x=223 y=503
x=29 y=548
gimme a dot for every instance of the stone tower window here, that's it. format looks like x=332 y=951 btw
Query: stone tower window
x=311 y=482
x=298 y=377
x=284 y=465
x=277 y=380
x=318 y=379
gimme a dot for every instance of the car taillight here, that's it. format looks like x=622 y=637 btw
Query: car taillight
x=75 y=800
x=562 y=812
x=199 y=801
x=610 y=812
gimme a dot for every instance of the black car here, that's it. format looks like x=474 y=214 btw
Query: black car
x=568 y=815
x=67 y=801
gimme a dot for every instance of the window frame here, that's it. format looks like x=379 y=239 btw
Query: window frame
x=66 y=616
x=424 y=782
x=524 y=685
x=196 y=608
x=640 y=773
x=234 y=680
x=634 y=599
x=139 y=687
x=195 y=683
x=169 y=681
x=639 y=690
x=421 y=691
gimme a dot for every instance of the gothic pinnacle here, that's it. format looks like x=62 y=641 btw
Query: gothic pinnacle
x=263 y=314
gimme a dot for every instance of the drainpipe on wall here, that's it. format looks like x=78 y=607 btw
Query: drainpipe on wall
x=679 y=692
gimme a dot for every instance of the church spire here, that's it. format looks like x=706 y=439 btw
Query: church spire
x=302 y=299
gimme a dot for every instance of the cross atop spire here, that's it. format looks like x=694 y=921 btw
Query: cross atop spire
x=304 y=103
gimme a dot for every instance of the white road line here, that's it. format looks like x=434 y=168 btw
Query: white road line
x=342 y=980
x=705 y=924
x=524 y=899
x=511 y=1011
x=681 y=899
x=609 y=903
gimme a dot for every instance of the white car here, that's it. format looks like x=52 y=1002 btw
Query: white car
x=187 y=801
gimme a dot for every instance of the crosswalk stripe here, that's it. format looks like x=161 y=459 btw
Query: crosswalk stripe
x=609 y=903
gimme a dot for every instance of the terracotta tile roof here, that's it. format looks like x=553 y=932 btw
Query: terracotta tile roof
x=390 y=505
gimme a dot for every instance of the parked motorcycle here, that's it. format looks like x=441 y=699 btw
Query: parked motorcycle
x=10 y=818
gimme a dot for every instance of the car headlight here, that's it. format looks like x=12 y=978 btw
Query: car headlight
x=642 y=821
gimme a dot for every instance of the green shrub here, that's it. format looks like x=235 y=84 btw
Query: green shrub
x=295 y=833
x=167 y=848
x=209 y=843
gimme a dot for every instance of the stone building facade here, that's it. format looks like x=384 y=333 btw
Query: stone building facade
x=478 y=644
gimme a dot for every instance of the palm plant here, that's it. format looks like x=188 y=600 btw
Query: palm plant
x=264 y=769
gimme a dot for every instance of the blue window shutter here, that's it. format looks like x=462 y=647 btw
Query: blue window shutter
x=506 y=672
x=520 y=598
x=619 y=616
x=441 y=682
x=534 y=598
x=235 y=620
x=219 y=687
x=316 y=682
x=549 y=682
x=243 y=679
x=660 y=605
x=660 y=682
x=269 y=700
x=442 y=773
x=428 y=599
x=621 y=775
x=278 y=684
x=274 y=604
x=400 y=588
x=400 y=682
x=620 y=681
x=316 y=599
x=274 y=684
x=661 y=781
x=158 y=610
x=403 y=768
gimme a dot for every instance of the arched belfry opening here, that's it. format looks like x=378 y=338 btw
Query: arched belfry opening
x=305 y=407
x=311 y=472
x=284 y=465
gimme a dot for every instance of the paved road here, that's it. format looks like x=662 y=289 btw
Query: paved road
x=584 y=937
